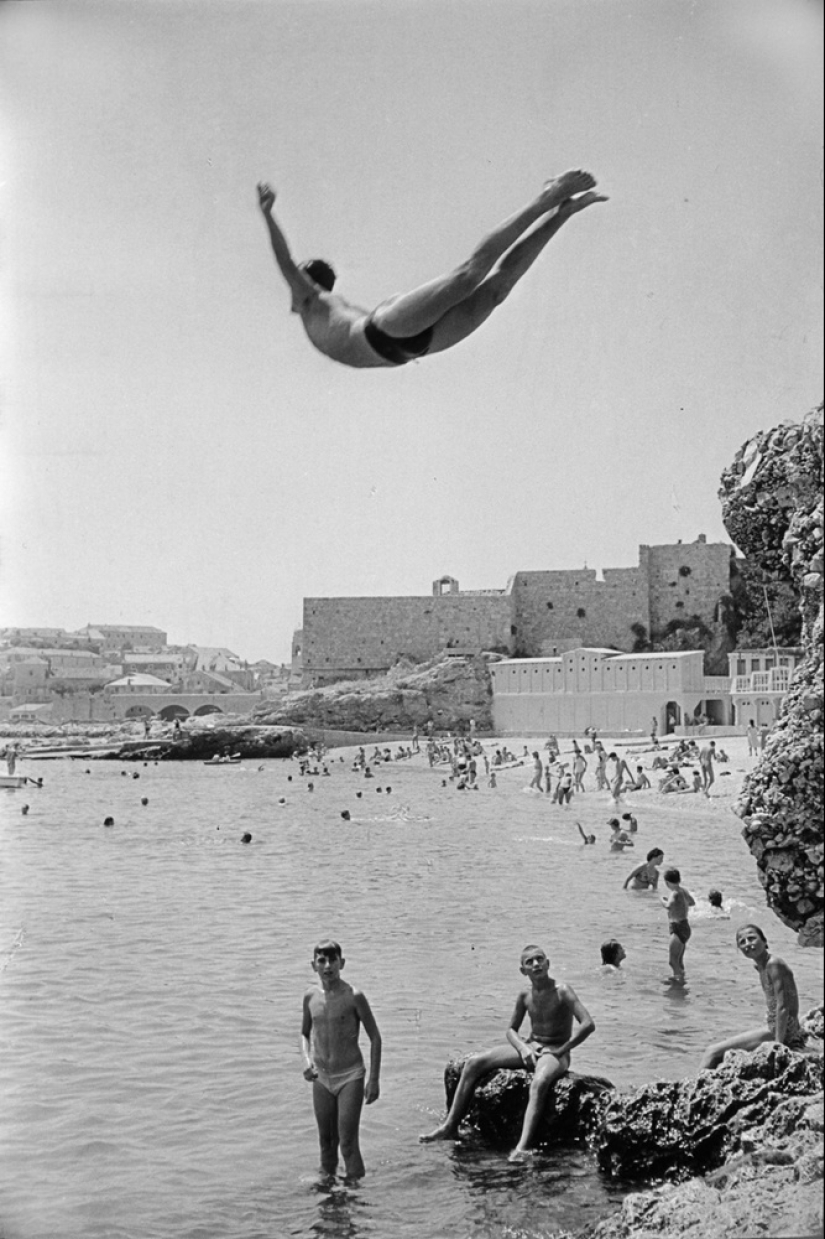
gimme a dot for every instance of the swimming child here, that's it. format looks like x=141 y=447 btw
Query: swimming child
x=612 y=954
x=646 y=876
x=552 y=1006
x=631 y=823
x=678 y=902
x=619 y=839
x=333 y=1015
x=586 y=838
x=781 y=1000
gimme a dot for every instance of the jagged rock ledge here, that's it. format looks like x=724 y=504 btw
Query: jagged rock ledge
x=448 y=691
x=749 y=1132
x=248 y=740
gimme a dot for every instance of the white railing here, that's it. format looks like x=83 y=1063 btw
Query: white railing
x=775 y=681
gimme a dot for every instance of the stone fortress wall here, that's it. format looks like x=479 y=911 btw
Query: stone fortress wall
x=538 y=614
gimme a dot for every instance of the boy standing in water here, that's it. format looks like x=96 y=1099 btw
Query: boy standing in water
x=677 y=903
x=552 y=1007
x=333 y=1015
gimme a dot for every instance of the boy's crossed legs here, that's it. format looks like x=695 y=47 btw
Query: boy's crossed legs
x=548 y=1068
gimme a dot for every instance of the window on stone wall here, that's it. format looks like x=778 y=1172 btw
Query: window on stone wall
x=581 y=613
x=684 y=570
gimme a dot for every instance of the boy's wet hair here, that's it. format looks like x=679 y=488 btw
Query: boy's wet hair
x=672 y=875
x=532 y=946
x=321 y=272
x=610 y=950
x=329 y=948
x=613 y=821
x=755 y=929
x=654 y=852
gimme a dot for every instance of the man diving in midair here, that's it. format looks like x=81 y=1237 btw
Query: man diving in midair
x=441 y=313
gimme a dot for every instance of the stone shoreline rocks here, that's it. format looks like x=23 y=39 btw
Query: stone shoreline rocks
x=772 y=500
x=247 y=740
x=749 y=1132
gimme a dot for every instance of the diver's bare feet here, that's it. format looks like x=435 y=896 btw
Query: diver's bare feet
x=440 y=1133
x=572 y=205
x=560 y=188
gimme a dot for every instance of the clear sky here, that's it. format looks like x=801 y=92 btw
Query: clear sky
x=176 y=453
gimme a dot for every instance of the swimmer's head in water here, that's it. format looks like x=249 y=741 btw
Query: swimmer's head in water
x=613 y=952
x=715 y=898
x=656 y=854
x=320 y=272
x=672 y=875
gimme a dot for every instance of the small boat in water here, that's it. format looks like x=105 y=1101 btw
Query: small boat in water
x=234 y=760
x=18 y=780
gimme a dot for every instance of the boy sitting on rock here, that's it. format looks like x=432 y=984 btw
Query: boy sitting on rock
x=552 y=1007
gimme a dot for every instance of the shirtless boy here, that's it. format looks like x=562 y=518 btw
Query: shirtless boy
x=646 y=876
x=552 y=1006
x=677 y=902
x=333 y=1015
x=781 y=999
x=440 y=313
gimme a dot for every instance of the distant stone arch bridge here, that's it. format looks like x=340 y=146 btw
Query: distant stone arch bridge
x=169 y=706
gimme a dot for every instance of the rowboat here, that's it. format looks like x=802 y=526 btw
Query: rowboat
x=223 y=761
x=15 y=780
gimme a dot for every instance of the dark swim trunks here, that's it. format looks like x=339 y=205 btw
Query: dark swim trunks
x=681 y=929
x=397 y=349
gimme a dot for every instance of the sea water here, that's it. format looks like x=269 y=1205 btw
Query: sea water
x=151 y=977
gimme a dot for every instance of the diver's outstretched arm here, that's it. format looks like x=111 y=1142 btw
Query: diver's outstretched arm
x=300 y=283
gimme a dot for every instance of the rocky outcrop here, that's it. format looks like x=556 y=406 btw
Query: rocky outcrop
x=750 y=1131
x=671 y=1129
x=771 y=1184
x=773 y=509
x=448 y=691
x=249 y=741
x=572 y=1114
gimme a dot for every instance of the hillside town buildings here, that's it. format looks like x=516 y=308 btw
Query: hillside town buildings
x=105 y=672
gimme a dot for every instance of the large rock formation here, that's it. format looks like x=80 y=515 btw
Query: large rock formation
x=448 y=691
x=247 y=740
x=773 y=509
x=752 y=1128
x=672 y=1129
x=572 y=1114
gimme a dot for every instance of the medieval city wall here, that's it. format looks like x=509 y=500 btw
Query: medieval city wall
x=686 y=579
x=347 y=638
x=553 y=608
x=540 y=614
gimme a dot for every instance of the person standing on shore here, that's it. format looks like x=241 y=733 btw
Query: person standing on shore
x=706 y=759
x=781 y=999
